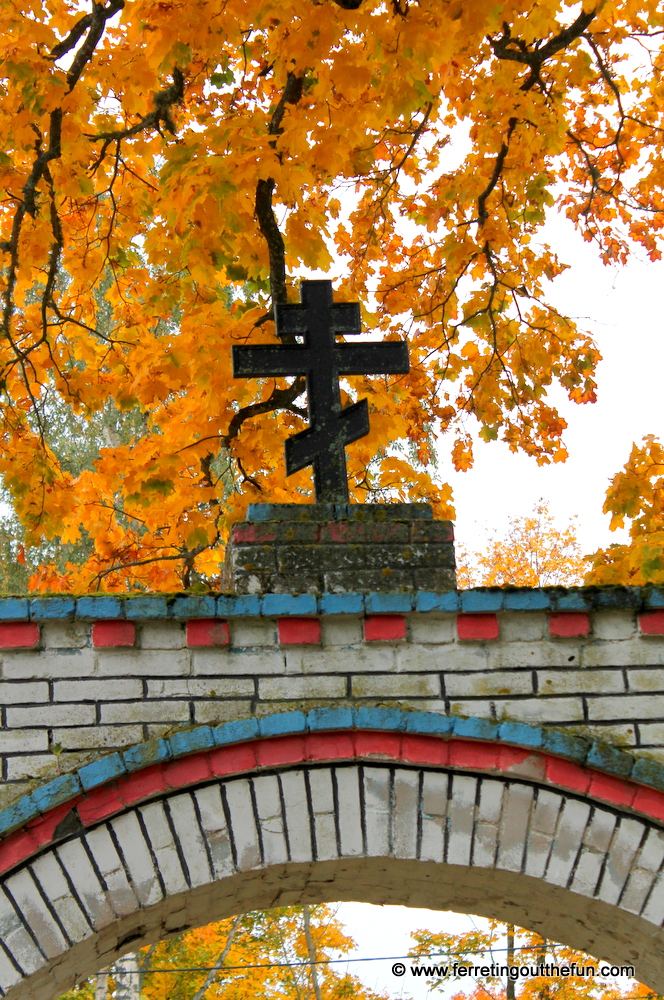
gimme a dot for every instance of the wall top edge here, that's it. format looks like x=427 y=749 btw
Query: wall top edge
x=481 y=600
x=339 y=512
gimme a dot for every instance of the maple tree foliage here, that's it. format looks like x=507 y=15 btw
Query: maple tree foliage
x=533 y=552
x=636 y=494
x=171 y=170
x=257 y=943
x=502 y=945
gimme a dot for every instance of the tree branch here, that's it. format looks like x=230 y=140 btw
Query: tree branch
x=163 y=101
x=95 y=27
x=263 y=202
x=497 y=170
x=212 y=974
x=516 y=50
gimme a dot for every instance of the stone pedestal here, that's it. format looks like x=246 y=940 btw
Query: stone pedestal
x=340 y=548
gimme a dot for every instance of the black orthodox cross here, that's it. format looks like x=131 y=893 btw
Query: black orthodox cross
x=318 y=320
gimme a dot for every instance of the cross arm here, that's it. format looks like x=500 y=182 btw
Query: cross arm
x=259 y=361
x=390 y=358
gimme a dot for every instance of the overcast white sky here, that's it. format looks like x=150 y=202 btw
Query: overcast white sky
x=624 y=311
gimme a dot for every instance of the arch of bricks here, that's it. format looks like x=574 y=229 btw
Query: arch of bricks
x=381 y=806
x=389 y=747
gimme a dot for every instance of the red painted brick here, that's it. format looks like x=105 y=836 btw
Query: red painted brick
x=19 y=635
x=329 y=746
x=16 y=848
x=243 y=533
x=567 y=774
x=233 y=759
x=467 y=753
x=187 y=771
x=377 y=745
x=143 y=784
x=652 y=623
x=424 y=750
x=384 y=627
x=610 y=789
x=43 y=827
x=299 y=631
x=567 y=624
x=207 y=632
x=512 y=756
x=113 y=633
x=481 y=626
x=99 y=804
x=342 y=531
x=650 y=802
x=280 y=750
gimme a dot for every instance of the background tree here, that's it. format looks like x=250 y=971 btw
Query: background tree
x=636 y=495
x=192 y=161
x=534 y=552
x=268 y=953
x=492 y=947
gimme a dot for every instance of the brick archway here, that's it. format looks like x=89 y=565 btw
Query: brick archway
x=372 y=819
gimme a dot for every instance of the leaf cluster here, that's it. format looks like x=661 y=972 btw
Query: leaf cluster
x=169 y=171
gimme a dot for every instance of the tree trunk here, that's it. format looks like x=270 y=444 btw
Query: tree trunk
x=126 y=975
x=510 y=991
x=312 y=951
x=101 y=985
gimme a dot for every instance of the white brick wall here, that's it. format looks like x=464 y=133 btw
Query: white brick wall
x=67 y=696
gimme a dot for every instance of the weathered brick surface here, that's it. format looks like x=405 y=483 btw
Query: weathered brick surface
x=391 y=547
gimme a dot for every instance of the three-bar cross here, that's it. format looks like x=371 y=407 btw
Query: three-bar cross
x=318 y=320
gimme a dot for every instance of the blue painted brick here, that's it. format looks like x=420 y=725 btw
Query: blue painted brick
x=563 y=745
x=481 y=600
x=617 y=597
x=378 y=603
x=229 y=607
x=533 y=599
x=17 y=814
x=475 y=729
x=330 y=718
x=282 y=723
x=289 y=604
x=572 y=600
x=194 y=606
x=341 y=604
x=380 y=718
x=521 y=733
x=649 y=772
x=144 y=754
x=191 y=740
x=150 y=606
x=56 y=792
x=449 y=601
x=610 y=759
x=429 y=724
x=13 y=608
x=99 y=607
x=235 y=732
x=101 y=770
x=52 y=607
x=653 y=597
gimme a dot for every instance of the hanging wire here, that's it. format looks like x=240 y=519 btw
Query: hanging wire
x=341 y=961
